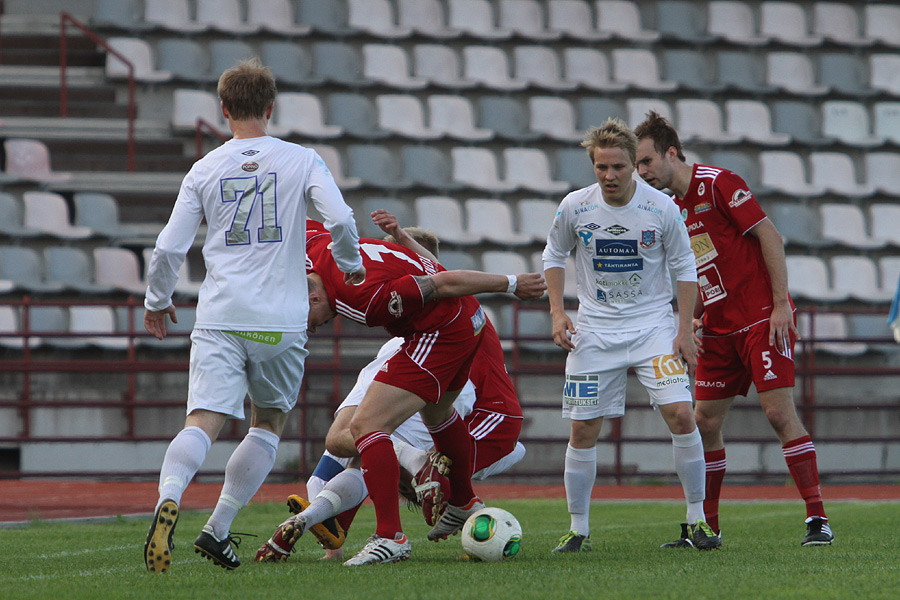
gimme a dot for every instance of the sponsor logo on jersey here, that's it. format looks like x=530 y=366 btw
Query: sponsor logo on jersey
x=702 y=207
x=586 y=206
x=616 y=248
x=615 y=230
x=650 y=207
x=612 y=265
x=701 y=189
x=694 y=226
x=704 y=250
x=395 y=304
x=250 y=152
x=770 y=376
x=739 y=197
x=250 y=166
x=618 y=296
x=702 y=383
x=592 y=226
x=586 y=237
x=669 y=370
x=581 y=390
x=601 y=296
x=648 y=238
x=478 y=321
x=684 y=214
x=709 y=282
x=633 y=281
x=270 y=338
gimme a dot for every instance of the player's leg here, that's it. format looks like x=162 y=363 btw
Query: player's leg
x=710 y=416
x=579 y=476
x=495 y=438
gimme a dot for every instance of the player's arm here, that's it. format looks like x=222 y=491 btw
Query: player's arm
x=684 y=344
x=453 y=284
x=563 y=328
x=781 y=321
x=389 y=224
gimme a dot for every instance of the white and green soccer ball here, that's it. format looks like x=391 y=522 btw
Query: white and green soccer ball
x=492 y=535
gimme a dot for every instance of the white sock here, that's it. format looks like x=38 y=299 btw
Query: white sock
x=329 y=466
x=245 y=472
x=503 y=464
x=690 y=465
x=581 y=471
x=185 y=454
x=410 y=458
x=346 y=490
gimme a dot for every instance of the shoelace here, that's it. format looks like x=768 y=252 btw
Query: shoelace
x=234 y=538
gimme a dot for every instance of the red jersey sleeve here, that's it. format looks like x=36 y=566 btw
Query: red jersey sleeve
x=737 y=202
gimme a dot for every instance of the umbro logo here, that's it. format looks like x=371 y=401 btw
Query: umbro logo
x=250 y=152
x=592 y=226
x=770 y=376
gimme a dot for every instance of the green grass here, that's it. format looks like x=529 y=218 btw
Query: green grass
x=761 y=558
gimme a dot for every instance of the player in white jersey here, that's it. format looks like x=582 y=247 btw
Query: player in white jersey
x=250 y=333
x=627 y=238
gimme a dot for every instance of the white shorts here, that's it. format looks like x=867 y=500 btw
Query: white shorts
x=226 y=366
x=413 y=430
x=596 y=371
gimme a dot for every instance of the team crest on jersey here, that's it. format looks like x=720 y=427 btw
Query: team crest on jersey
x=684 y=214
x=250 y=152
x=702 y=207
x=586 y=237
x=616 y=230
x=701 y=189
x=648 y=238
x=395 y=305
x=250 y=166
x=739 y=197
x=601 y=296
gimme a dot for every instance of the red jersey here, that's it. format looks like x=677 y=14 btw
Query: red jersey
x=390 y=296
x=719 y=209
x=494 y=392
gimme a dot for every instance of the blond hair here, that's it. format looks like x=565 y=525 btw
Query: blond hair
x=424 y=238
x=614 y=133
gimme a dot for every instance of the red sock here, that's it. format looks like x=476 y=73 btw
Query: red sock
x=800 y=456
x=715 y=473
x=452 y=439
x=345 y=519
x=381 y=473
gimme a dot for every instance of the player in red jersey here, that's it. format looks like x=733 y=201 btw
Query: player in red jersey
x=745 y=312
x=432 y=309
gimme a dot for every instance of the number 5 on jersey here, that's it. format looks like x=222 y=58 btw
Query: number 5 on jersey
x=244 y=191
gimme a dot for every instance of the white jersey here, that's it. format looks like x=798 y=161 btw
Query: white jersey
x=253 y=194
x=623 y=256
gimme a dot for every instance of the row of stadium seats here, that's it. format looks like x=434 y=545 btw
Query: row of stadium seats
x=523 y=67
x=696 y=22
x=843 y=278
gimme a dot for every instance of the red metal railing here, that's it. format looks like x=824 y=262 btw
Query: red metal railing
x=64 y=18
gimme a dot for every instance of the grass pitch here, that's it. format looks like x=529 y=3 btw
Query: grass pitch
x=761 y=558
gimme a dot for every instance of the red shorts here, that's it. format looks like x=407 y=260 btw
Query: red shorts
x=493 y=437
x=730 y=363
x=431 y=364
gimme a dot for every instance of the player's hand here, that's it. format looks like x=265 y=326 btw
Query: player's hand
x=697 y=327
x=781 y=323
x=155 y=321
x=355 y=278
x=530 y=286
x=387 y=222
x=563 y=330
x=685 y=348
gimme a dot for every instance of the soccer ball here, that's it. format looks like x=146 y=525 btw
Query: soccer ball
x=492 y=534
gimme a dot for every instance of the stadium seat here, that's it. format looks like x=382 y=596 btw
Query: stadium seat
x=492 y=220
x=454 y=260
x=426 y=17
x=97 y=320
x=440 y=65
x=589 y=68
x=29 y=160
x=476 y=18
x=885 y=220
x=118 y=268
x=275 y=16
x=137 y=52
x=639 y=107
x=785 y=171
x=174 y=15
x=445 y=215
x=356 y=114
x=375 y=166
x=845 y=224
x=429 y=167
x=742 y=71
x=734 y=21
x=376 y=18
x=845 y=74
x=829 y=326
x=504 y=261
x=507 y=117
x=751 y=120
x=793 y=72
x=838 y=22
x=48 y=320
x=798 y=224
x=404 y=114
x=701 y=120
x=191 y=106
x=399 y=208
x=454 y=116
x=126 y=15
x=48 y=213
x=553 y=117
x=12 y=221
x=836 y=172
x=24 y=268
x=638 y=68
x=691 y=70
x=301 y=114
x=683 y=21
x=489 y=66
x=539 y=66
x=800 y=120
x=525 y=18
x=889 y=271
x=786 y=22
x=536 y=218
x=529 y=168
x=882 y=23
x=477 y=168
x=72 y=268
x=575 y=19
x=848 y=121
x=10 y=323
x=874 y=331
x=884 y=73
x=570 y=281
x=291 y=63
x=858 y=277
x=887 y=121
x=186 y=60
x=333 y=161
x=224 y=16
x=808 y=278
x=744 y=164
x=593 y=112
x=225 y=54
x=329 y=17
x=389 y=65
x=99 y=212
x=340 y=63
x=532 y=328
x=574 y=165
x=621 y=19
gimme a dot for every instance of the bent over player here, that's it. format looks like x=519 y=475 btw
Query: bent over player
x=747 y=314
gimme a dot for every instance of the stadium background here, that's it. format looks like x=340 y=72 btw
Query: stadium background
x=469 y=125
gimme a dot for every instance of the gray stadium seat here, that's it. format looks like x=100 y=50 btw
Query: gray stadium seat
x=507 y=117
x=25 y=269
x=742 y=71
x=325 y=16
x=376 y=18
x=375 y=166
x=275 y=16
x=356 y=114
x=526 y=19
x=187 y=60
x=399 y=208
x=691 y=70
x=800 y=120
x=430 y=167
x=798 y=224
x=427 y=18
x=119 y=14
x=682 y=20
x=72 y=268
x=291 y=63
x=339 y=63
x=225 y=54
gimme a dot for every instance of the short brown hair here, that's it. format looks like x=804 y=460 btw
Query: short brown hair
x=614 y=133
x=663 y=134
x=247 y=90
x=426 y=239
